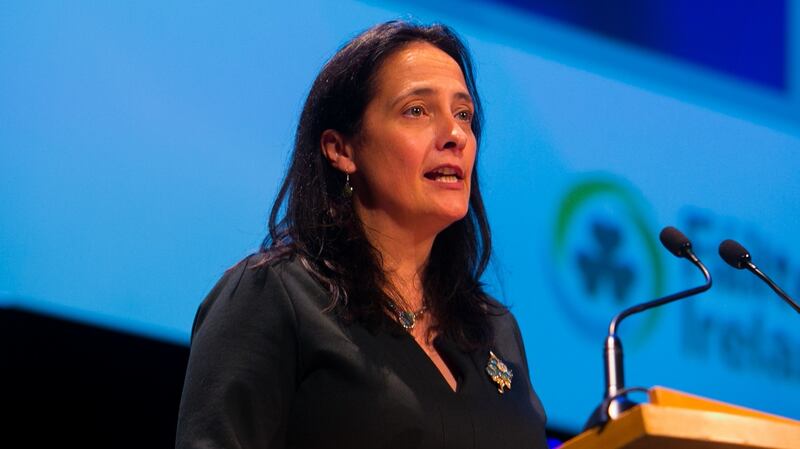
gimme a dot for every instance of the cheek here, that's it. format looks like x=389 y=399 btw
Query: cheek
x=390 y=166
x=402 y=158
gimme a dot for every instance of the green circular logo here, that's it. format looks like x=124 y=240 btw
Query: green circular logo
x=606 y=257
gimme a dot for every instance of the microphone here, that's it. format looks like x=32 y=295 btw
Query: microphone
x=676 y=242
x=615 y=401
x=738 y=257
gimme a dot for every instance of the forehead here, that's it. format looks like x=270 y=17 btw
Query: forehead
x=419 y=64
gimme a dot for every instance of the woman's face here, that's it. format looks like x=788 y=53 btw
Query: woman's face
x=415 y=151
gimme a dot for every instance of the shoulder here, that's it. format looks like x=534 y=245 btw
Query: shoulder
x=501 y=319
x=504 y=327
x=259 y=288
x=295 y=276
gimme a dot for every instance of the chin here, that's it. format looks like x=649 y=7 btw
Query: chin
x=453 y=215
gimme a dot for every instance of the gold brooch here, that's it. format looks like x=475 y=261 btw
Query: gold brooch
x=499 y=372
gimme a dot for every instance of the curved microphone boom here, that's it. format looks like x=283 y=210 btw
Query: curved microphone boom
x=738 y=257
x=614 y=400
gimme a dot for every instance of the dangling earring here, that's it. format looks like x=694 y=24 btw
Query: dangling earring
x=347 y=191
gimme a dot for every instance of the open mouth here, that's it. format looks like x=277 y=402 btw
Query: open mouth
x=445 y=174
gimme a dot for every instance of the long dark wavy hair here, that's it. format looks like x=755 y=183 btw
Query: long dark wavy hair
x=312 y=219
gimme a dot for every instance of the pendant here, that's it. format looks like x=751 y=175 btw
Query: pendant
x=499 y=372
x=407 y=319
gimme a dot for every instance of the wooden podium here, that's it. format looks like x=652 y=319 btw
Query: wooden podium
x=678 y=420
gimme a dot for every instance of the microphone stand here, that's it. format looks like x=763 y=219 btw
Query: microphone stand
x=754 y=269
x=735 y=255
x=615 y=401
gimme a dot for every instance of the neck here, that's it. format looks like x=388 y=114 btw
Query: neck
x=404 y=251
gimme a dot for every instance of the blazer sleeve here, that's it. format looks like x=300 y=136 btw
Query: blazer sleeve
x=242 y=370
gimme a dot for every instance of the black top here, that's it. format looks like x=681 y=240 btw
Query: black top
x=271 y=368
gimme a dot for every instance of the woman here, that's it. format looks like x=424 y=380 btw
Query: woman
x=362 y=321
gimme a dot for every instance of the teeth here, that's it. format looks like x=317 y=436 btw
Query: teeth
x=444 y=171
x=447 y=178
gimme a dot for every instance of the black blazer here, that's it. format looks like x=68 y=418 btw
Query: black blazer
x=270 y=368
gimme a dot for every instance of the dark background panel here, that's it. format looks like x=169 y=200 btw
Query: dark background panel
x=71 y=383
x=743 y=39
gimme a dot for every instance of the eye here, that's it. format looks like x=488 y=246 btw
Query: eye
x=465 y=116
x=415 y=111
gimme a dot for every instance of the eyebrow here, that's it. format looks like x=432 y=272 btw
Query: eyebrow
x=424 y=91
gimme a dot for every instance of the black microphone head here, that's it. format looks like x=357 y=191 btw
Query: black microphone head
x=734 y=254
x=675 y=241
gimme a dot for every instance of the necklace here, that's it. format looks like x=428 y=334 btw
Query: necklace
x=407 y=318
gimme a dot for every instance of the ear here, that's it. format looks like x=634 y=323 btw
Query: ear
x=337 y=150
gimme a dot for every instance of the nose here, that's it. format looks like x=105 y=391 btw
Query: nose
x=453 y=134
